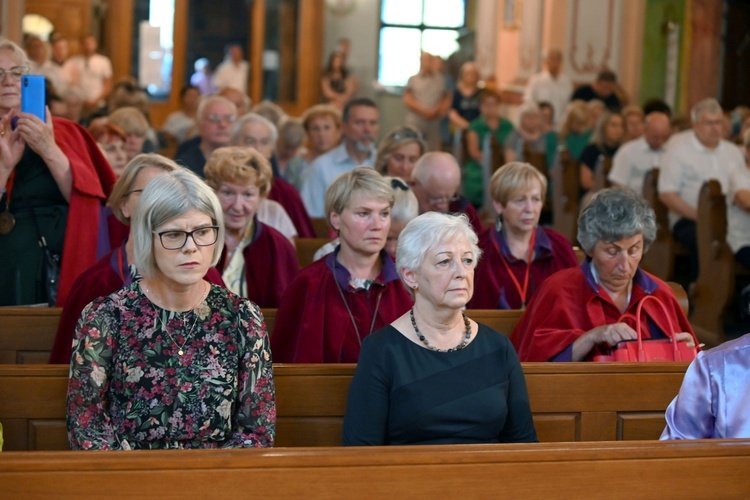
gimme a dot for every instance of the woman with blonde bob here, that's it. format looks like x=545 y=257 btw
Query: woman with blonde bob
x=172 y=361
x=519 y=254
x=258 y=262
x=399 y=151
x=433 y=376
x=336 y=302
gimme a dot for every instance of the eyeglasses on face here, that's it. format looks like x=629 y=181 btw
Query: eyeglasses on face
x=16 y=72
x=442 y=200
x=175 y=239
x=217 y=118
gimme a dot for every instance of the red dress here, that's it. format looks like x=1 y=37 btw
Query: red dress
x=570 y=302
x=493 y=286
x=313 y=324
x=270 y=265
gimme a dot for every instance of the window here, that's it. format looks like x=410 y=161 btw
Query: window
x=153 y=43
x=411 y=26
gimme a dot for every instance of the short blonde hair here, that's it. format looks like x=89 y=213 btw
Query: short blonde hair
x=515 y=177
x=396 y=138
x=124 y=184
x=320 y=110
x=130 y=120
x=238 y=165
x=18 y=53
x=363 y=179
x=577 y=112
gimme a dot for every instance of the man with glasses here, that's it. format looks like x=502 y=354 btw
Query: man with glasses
x=215 y=117
x=693 y=157
x=360 y=127
x=435 y=181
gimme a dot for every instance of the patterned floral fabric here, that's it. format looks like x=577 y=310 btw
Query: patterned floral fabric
x=130 y=387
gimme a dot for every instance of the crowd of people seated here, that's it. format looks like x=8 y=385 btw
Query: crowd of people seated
x=164 y=265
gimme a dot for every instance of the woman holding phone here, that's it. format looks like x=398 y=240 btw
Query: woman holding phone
x=50 y=171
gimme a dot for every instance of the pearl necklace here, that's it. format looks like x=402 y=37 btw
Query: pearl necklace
x=464 y=342
x=180 y=348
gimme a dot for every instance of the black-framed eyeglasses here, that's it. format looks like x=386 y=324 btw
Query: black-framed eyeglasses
x=440 y=200
x=175 y=239
x=16 y=72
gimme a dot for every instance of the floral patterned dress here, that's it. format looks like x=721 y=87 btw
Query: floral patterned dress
x=145 y=377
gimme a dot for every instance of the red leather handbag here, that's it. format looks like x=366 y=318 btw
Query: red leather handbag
x=650 y=350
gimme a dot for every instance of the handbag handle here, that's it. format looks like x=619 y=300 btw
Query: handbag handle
x=638 y=326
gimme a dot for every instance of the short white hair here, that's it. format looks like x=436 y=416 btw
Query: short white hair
x=426 y=232
x=708 y=105
x=254 y=118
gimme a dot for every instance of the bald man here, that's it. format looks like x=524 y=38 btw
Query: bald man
x=435 y=181
x=635 y=158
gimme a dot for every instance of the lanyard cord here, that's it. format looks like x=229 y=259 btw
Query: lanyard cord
x=348 y=309
x=521 y=291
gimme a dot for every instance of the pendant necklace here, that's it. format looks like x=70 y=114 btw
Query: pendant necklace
x=180 y=348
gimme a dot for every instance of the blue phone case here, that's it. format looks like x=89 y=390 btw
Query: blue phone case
x=33 y=95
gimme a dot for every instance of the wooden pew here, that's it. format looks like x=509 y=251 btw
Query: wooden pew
x=713 y=290
x=306 y=248
x=601 y=171
x=671 y=469
x=565 y=185
x=27 y=333
x=570 y=402
x=659 y=259
x=321 y=227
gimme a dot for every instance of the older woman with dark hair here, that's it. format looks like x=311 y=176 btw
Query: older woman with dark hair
x=258 y=262
x=582 y=312
x=399 y=151
x=336 y=302
x=519 y=254
x=172 y=361
x=433 y=376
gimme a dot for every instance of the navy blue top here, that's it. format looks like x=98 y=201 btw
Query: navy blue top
x=403 y=393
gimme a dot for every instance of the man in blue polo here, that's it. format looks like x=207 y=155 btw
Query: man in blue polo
x=359 y=130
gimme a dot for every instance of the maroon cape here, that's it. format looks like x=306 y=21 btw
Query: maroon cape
x=463 y=206
x=569 y=303
x=493 y=286
x=270 y=265
x=313 y=324
x=106 y=276
x=92 y=182
x=289 y=198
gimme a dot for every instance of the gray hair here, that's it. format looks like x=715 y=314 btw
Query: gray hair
x=211 y=99
x=614 y=214
x=168 y=196
x=254 y=118
x=18 y=53
x=425 y=233
x=405 y=204
x=708 y=105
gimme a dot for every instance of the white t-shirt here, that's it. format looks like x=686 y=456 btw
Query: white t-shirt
x=556 y=91
x=687 y=164
x=272 y=214
x=632 y=162
x=91 y=73
x=228 y=74
x=738 y=220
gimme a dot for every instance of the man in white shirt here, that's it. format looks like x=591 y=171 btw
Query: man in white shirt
x=92 y=73
x=693 y=157
x=551 y=85
x=233 y=71
x=635 y=158
x=360 y=127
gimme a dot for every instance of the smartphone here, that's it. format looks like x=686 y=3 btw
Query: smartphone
x=33 y=95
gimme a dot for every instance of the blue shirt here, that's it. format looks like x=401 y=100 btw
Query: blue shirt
x=323 y=171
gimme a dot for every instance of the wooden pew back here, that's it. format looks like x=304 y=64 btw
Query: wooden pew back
x=565 y=186
x=570 y=402
x=711 y=296
x=27 y=333
x=306 y=248
x=697 y=469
